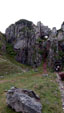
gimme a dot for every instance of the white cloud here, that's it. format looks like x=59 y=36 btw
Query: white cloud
x=50 y=12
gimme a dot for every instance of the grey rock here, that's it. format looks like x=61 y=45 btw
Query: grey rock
x=54 y=30
x=1 y=76
x=60 y=36
x=53 y=33
x=62 y=27
x=22 y=35
x=24 y=101
x=33 y=42
x=43 y=30
x=45 y=75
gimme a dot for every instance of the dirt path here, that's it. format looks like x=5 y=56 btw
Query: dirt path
x=17 y=78
x=4 y=81
x=45 y=67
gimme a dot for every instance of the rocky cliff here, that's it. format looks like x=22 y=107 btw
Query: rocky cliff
x=22 y=36
x=30 y=43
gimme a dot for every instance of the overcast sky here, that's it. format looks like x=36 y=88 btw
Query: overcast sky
x=49 y=12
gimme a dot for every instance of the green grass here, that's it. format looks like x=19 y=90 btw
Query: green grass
x=45 y=87
x=2 y=43
x=7 y=67
x=12 y=59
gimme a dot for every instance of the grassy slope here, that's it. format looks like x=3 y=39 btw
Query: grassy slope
x=45 y=87
x=6 y=67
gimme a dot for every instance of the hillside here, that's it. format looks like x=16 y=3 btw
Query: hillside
x=7 y=67
x=29 y=56
x=45 y=87
x=2 y=43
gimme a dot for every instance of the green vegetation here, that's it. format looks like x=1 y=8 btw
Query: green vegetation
x=61 y=54
x=40 y=52
x=10 y=50
x=45 y=87
x=15 y=74
x=7 y=67
x=39 y=40
x=2 y=42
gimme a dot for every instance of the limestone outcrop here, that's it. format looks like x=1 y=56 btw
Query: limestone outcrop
x=34 y=43
x=22 y=36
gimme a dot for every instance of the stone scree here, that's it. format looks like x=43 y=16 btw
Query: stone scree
x=24 y=101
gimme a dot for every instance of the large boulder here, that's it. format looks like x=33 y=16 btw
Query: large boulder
x=24 y=101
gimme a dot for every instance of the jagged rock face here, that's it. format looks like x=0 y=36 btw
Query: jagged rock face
x=32 y=42
x=43 y=30
x=19 y=31
x=62 y=27
x=60 y=36
x=23 y=101
x=22 y=35
x=54 y=32
x=55 y=55
x=53 y=51
x=53 y=48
